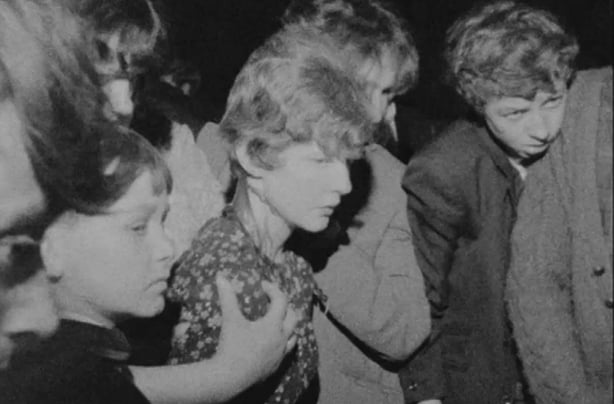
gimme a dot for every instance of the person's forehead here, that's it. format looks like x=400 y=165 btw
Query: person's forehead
x=139 y=197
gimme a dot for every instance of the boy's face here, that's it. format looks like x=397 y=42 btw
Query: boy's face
x=526 y=128
x=114 y=265
x=21 y=197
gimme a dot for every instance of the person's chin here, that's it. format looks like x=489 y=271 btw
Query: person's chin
x=317 y=224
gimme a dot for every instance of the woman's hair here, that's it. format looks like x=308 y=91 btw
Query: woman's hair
x=45 y=72
x=362 y=30
x=123 y=159
x=508 y=49
x=292 y=91
x=136 y=22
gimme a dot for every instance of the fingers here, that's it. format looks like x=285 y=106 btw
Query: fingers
x=228 y=300
x=279 y=304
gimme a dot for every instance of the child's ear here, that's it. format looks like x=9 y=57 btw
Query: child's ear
x=246 y=161
x=53 y=249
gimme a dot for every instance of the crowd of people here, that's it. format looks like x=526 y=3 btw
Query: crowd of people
x=286 y=254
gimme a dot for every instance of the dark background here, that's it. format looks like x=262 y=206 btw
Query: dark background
x=218 y=35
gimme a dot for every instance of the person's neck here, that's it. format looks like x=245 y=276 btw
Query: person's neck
x=268 y=230
x=71 y=307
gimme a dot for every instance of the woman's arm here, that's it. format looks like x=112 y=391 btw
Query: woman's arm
x=247 y=353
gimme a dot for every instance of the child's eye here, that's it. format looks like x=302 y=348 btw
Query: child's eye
x=139 y=228
x=514 y=115
x=553 y=102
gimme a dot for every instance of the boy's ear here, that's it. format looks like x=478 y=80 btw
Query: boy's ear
x=246 y=161
x=53 y=249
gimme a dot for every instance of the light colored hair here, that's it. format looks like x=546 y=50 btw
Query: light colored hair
x=508 y=49
x=292 y=90
x=362 y=30
x=45 y=72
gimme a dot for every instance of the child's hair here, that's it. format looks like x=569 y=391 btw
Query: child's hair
x=124 y=158
x=20 y=259
x=508 y=49
x=362 y=30
x=292 y=90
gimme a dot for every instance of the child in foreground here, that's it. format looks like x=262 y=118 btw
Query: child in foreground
x=105 y=266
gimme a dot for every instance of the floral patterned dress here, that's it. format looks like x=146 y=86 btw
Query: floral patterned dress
x=224 y=246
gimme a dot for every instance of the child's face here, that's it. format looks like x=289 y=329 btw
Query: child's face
x=115 y=265
x=526 y=128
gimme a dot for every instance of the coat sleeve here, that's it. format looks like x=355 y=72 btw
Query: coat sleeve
x=380 y=299
x=437 y=214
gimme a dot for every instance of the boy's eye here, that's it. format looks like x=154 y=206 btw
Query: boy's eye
x=139 y=228
x=515 y=114
x=553 y=102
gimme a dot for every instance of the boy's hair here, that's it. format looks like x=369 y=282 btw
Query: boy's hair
x=508 y=49
x=20 y=259
x=46 y=74
x=137 y=23
x=123 y=159
x=291 y=90
x=363 y=30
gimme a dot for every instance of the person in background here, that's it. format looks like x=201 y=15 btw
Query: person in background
x=512 y=64
x=377 y=313
x=126 y=38
x=293 y=122
x=559 y=286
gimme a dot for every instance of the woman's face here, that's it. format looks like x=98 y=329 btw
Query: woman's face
x=306 y=186
x=21 y=197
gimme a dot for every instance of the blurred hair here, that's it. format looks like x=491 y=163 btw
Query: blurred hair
x=291 y=90
x=362 y=30
x=136 y=22
x=46 y=73
x=508 y=49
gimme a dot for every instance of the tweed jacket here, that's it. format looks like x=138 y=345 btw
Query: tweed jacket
x=462 y=195
x=560 y=281
x=377 y=309
x=376 y=313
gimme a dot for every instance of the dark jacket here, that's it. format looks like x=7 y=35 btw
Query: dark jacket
x=462 y=196
x=80 y=364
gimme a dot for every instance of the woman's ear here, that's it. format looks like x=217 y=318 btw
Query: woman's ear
x=247 y=162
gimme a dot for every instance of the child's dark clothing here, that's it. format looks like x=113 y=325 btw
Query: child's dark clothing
x=224 y=246
x=81 y=364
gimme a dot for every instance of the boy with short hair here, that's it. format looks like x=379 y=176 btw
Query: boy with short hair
x=513 y=64
x=106 y=265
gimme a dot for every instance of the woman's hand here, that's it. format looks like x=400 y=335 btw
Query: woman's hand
x=254 y=348
x=248 y=352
